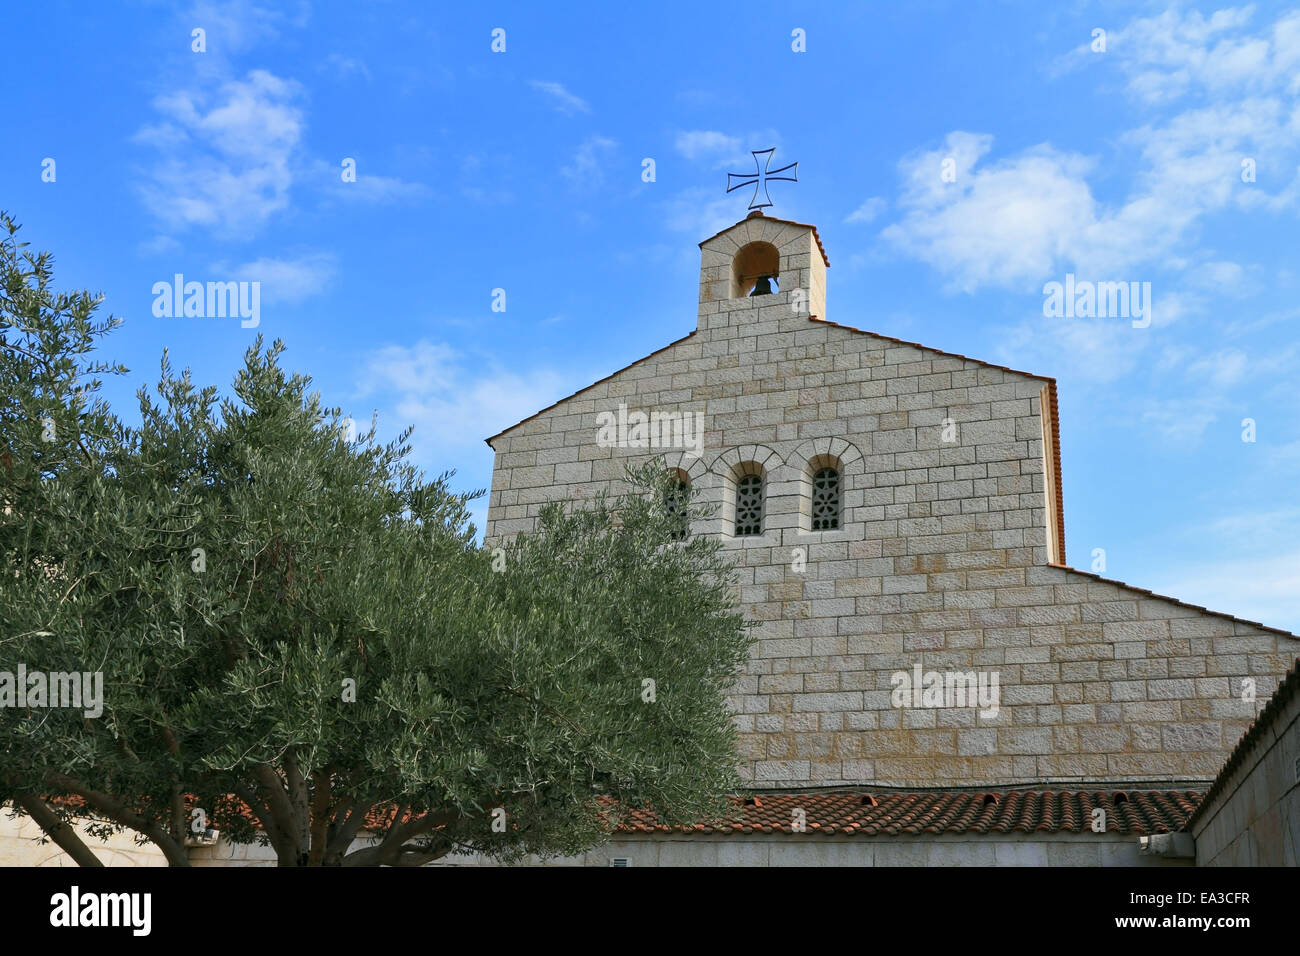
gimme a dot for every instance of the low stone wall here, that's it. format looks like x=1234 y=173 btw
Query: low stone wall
x=1062 y=849
x=1251 y=817
x=20 y=845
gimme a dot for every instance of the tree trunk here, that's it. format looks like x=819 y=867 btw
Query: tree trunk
x=64 y=835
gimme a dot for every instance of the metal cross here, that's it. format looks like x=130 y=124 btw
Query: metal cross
x=762 y=177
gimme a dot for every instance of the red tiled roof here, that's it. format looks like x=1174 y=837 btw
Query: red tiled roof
x=378 y=818
x=1289 y=688
x=891 y=813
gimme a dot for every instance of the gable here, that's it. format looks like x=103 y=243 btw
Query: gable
x=947 y=556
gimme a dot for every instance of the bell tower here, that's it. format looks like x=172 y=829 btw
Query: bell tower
x=759 y=263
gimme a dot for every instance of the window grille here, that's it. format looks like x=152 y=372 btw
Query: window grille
x=826 y=500
x=749 y=505
x=676 y=503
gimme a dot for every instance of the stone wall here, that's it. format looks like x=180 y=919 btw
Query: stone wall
x=755 y=850
x=1252 y=816
x=942 y=561
x=20 y=845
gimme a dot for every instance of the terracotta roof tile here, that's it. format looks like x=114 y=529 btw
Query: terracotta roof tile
x=900 y=813
x=892 y=813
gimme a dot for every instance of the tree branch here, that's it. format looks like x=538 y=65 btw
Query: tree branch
x=279 y=840
x=345 y=833
x=390 y=851
x=119 y=812
x=320 y=816
x=413 y=857
x=298 y=799
x=57 y=829
x=281 y=811
x=178 y=794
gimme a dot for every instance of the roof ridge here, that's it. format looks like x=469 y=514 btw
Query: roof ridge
x=931 y=348
x=788 y=222
x=811 y=318
x=1174 y=600
x=561 y=401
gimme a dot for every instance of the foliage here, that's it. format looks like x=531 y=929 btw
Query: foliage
x=301 y=642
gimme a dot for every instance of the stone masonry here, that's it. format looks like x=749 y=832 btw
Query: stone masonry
x=949 y=555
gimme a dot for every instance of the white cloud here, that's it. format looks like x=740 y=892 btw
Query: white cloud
x=1266 y=590
x=701 y=212
x=159 y=245
x=1178 y=52
x=1181 y=421
x=1285 y=359
x=344 y=66
x=561 y=98
x=285 y=280
x=1286 y=455
x=1011 y=223
x=1218 y=276
x=225 y=155
x=1246 y=528
x=869 y=210
x=587 y=168
x=236 y=26
x=455 y=400
x=1222 y=369
x=381 y=189
x=486 y=196
x=694 y=144
x=1096 y=350
x=1249 y=326
x=1216 y=564
x=1031 y=216
x=368 y=187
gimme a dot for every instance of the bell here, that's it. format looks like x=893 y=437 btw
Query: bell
x=763 y=286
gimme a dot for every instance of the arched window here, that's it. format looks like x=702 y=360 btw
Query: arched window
x=826 y=499
x=749 y=505
x=677 y=496
x=752 y=262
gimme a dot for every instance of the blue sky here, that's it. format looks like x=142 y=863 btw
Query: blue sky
x=522 y=170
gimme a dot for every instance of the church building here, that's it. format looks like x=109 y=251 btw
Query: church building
x=930 y=682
